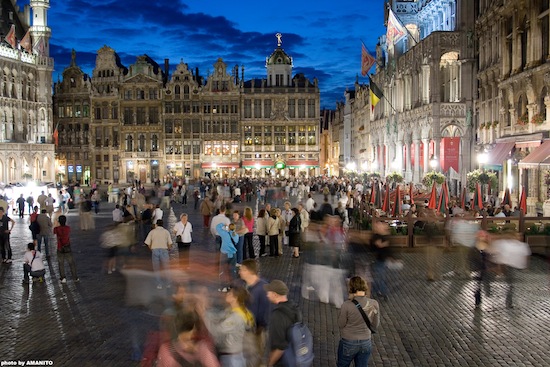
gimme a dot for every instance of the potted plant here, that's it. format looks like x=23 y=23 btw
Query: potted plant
x=481 y=177
x=432 y=177
x=538 y=119
x=495 y=123
x=394 y=177
x=482 y=125
x=523 y=119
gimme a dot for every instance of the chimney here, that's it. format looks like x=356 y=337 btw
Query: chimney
x=197 y=75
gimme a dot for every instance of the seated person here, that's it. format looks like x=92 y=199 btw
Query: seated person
x=33 y=264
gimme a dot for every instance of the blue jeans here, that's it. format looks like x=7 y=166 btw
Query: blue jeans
x=380 y=286
x=354 y=350
x=232 y=360
x=240 y=245
x=228 y=269
x=160 y=258
x=45 y=237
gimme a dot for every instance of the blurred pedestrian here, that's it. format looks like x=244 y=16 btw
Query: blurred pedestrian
x=228 y=255
x=248 y=246
x=182 y=230
x=261 y=231
x=294 y=233
x=45 y=230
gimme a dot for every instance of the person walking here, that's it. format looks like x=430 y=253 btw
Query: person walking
x=358 y=318
x=248 y=246
x=6 y=226
x=159 y=241
x=258 y=304
x=45 y=225
x=283 y=315
x=241 y=230
x=272 y=225
x=182 y=230
x=228 y=257
x=294 y=233
x=230 y=329
x=261 y=230
x=21 y=205
x=64 y=250
x=206 y=208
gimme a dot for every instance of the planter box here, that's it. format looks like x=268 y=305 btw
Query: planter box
x=399 y=241
x=422 y=241
x=539 y=244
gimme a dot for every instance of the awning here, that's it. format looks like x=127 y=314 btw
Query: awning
x=302 y=163
x=538 y=157
x=256 y=164
x=498 y=155
x=220 y=165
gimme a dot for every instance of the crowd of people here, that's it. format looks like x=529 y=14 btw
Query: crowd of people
x=247 y=323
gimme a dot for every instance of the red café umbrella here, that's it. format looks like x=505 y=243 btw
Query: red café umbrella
x=433 y=198
x=373 y=193
x=386 y=204
x=478 y=201
x=463 y=198
x=523 y=201
x=396 y=210
x=411 y=192
x=443 y=198
x=506 y=199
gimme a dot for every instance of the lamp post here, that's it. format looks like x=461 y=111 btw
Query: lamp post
x=433 y=163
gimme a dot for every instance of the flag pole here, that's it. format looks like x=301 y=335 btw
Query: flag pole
x=384 y=96
x=375 y=59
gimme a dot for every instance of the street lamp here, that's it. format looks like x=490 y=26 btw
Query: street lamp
x=433 y=163
x=482 y=159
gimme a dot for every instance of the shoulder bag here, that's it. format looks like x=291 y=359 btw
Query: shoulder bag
x=365 y=317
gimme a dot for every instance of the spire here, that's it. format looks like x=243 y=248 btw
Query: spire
x=73 y=57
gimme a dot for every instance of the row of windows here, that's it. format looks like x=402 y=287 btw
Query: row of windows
x=220 y=107
x=254 y=108
x=140 y=115
x=140 y=94
x=280 y=135
x=76 y=110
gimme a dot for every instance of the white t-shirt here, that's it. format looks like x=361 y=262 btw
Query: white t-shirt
x=37 y=264
x=184 y=231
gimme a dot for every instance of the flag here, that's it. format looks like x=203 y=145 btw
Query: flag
x=10 y=38
x=40 y=47
x=375 y=95
x=26 y=42
x=56 y=136
x=396 y=31
x=523 y=201
x=367 y=61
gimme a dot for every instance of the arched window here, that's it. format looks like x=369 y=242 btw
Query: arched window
x=129 y=143
x=185 y=92
x=154 y=143
x=524 y=35
x=141 y=143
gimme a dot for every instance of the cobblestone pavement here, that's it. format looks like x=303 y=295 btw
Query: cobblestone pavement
x=423 y=323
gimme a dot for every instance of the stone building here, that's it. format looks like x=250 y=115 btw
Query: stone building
x=513 y=39
x=428 y=81
x=145 y=125
x=26 y=129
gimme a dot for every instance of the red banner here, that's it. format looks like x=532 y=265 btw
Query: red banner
x=421 y=154
x=449 y=152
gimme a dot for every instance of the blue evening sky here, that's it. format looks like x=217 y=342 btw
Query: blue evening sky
x=323 y=36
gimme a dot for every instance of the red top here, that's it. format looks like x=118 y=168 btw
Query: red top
x=249 y=224
x=33 y=216
x=63 y=235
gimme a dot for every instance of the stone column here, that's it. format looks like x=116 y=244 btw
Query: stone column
x=426 y=143
x=416 y=169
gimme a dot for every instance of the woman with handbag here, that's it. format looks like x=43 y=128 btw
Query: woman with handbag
x=358 y=319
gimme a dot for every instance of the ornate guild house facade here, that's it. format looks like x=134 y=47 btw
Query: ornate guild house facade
x=141 y=123
x=26 y=126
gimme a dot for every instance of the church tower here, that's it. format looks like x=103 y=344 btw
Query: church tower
x=40 y=34
x=279 y=66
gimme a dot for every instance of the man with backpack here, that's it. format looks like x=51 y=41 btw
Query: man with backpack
x=291 y=343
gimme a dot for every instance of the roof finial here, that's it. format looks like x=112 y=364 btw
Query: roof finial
x=279 y=39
